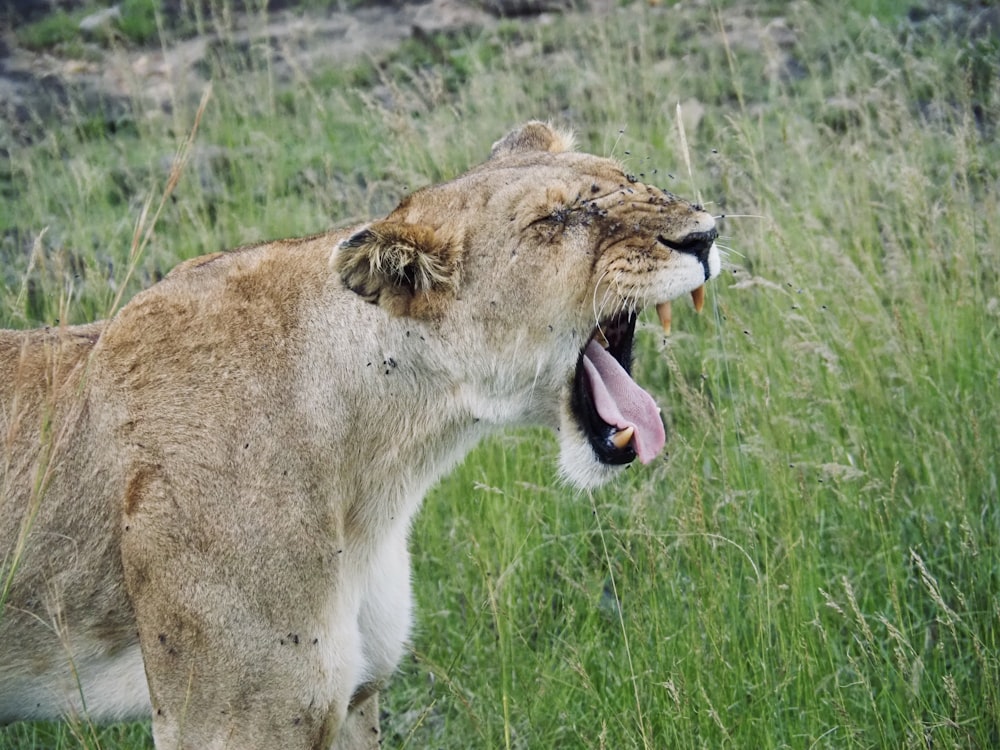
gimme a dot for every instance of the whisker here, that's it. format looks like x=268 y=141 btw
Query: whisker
x=623 y=296
x=599 y=307
x=621 y=132
x=729 y=251
x=538 y=371
x=607 y=301
x=594 y=306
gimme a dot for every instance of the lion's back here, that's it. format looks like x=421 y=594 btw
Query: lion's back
x=41 y=360
x=41 y=379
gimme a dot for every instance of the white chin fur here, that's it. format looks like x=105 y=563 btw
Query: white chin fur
x=714 y=261
x=579 y=466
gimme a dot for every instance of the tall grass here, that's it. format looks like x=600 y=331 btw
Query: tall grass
x=815 y=563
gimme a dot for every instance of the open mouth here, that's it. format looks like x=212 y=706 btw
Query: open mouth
x=621 y=421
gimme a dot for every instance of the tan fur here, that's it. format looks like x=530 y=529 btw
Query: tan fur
x=206 y=499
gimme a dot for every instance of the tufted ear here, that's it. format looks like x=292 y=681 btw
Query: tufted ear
x=533 y=136
x=408 y=269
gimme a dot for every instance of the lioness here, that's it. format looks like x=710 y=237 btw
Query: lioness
x=206 y=498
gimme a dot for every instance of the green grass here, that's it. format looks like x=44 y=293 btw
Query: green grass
x=59 y=31
x=815 y=564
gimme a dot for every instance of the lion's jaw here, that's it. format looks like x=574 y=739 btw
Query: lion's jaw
x=543 y=253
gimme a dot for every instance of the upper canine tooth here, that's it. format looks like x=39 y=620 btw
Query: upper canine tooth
x=698 y=297
x=666 y=315
x=601 y=339
x=623 y=437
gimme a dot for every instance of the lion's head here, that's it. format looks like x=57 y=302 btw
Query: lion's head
x=533 y=266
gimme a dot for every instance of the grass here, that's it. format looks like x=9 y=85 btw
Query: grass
x=815 y=563
x=59 y=31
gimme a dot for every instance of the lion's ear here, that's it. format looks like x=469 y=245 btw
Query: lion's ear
x=408 y=269
x=533 y=136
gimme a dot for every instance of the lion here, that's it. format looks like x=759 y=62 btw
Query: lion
x=206 y=498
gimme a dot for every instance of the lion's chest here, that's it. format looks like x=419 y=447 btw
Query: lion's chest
x=371 y=613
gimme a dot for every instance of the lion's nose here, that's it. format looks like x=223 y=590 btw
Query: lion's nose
x=698 y=244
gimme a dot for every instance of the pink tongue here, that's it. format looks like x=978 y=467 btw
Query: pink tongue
x=621 y=403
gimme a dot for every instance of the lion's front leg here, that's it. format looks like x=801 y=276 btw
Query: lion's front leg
x=360 y=730
x=245 y=646
x=238 y=682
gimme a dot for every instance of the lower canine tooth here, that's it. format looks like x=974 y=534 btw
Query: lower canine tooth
x=623 y=437
x=666 y=314
x=698 y=297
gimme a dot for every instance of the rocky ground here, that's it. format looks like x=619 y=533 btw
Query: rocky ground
x=112 y=81
x=109 y=80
